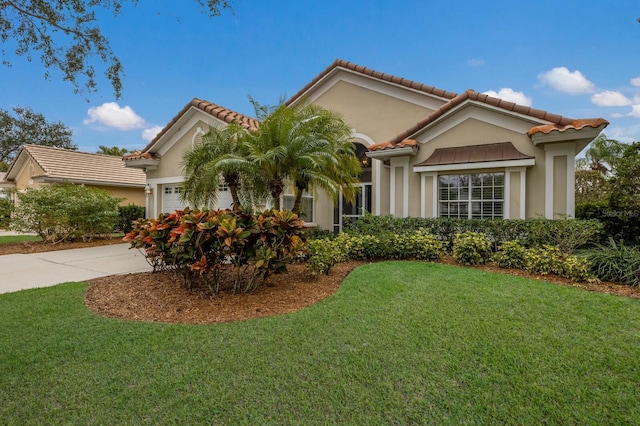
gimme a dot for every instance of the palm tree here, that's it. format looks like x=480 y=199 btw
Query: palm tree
x=603 y=153
x=221 y=157
x=306 y=146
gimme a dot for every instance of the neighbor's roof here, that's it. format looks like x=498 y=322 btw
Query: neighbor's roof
x=340 y=63
x=502 y=151
x=558 y=122
x=219 y=112
x=78 y=167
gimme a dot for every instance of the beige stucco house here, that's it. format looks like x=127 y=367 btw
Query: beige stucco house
x=425 y=151
x=35 y=166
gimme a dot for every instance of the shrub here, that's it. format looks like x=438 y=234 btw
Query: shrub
x=201 y=245
x=6 y=207
x=511 y=254
x=127 y=215
x=323 y=254
x=577 y=268
x=419 y=245
x=61 y=212
x=544 y=260
x=566 y=234
x=617 y=263
x=471 y=248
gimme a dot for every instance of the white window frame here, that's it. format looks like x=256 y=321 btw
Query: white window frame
x=469 y=200
x=291 y=198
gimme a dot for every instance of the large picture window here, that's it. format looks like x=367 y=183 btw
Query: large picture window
x=471 y=196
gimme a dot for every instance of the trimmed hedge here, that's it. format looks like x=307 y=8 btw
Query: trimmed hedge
x=568 y=234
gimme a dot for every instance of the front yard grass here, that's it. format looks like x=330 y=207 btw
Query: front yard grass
x=400 y=343
x=11 y=239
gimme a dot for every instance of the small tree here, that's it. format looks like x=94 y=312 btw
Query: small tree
x=66 y=212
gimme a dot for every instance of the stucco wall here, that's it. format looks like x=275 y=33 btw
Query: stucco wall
x=377 y=115
x=171 y=159
x=131 y=195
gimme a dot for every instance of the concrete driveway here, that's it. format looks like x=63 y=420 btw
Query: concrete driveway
x=23 y=271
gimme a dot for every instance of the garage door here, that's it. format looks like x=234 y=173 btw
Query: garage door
x=171 y=198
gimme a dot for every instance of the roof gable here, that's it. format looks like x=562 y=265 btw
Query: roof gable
x=213 y=110
x=544 y=122
x=78 y=167
x=401 y=88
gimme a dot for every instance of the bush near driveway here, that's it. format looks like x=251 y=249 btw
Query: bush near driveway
x=66 y=212
x=199 y=245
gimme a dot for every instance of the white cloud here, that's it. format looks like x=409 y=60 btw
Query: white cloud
x=635 y=111
x=636 y=81
x=111 y=114
x=560 y=78
x=610 y=99
x=510 y=95
x=150 y=133
x=624 y=134
x=617 y=115
x=475 y=62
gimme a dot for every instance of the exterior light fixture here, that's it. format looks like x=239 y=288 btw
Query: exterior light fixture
x=147 y=190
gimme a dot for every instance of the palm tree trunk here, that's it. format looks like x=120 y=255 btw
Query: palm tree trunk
x=276 y=192
x=297 y=203
x=234 y=196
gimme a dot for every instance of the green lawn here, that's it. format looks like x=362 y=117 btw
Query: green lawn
x=400 y=343
x=8 y=239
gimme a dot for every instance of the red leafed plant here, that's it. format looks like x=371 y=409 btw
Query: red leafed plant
x=221 y=249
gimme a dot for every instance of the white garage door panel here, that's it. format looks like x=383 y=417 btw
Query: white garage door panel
x=171 y=198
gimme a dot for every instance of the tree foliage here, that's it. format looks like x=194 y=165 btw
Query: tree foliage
x=112 y=150
x=66 y=35
x=302 y=147
x=625 y=185
x=28 y=127
x=222 y=157
x=591 y=186
x=306 y=146
x=603 y=154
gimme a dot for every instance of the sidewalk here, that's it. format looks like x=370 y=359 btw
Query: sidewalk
x=23 y=271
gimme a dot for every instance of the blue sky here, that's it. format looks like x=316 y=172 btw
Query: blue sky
x=575 y=58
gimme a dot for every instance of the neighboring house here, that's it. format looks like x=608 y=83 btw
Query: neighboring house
x=5 y=186
x=425 y=151
x=35 y=166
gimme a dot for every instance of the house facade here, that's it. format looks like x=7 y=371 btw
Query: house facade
x=425 y=151
x=35 y=166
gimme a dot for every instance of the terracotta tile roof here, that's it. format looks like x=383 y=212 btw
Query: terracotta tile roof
x=558 y=122
x=502 y=151
x=387 y=145
x=138 y=155
x=340 y=63
x=217 y=111
x=82 y=167
x=575 y=124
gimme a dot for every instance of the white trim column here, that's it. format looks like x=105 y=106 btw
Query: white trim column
x=550 y=152
x=399 y=163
